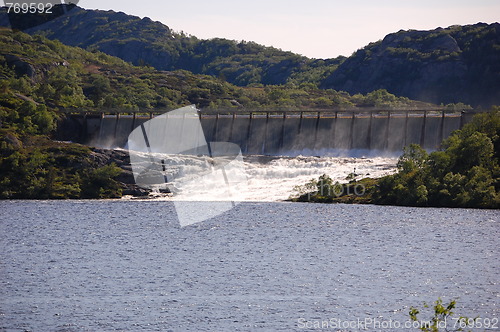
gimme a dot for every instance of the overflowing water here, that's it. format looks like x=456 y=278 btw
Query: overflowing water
x=269 y=178
x=202 y=164
x=277 y=178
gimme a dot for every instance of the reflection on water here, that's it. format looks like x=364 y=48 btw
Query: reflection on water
x=127 y=265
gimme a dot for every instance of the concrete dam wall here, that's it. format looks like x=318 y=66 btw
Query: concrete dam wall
x=284 y=133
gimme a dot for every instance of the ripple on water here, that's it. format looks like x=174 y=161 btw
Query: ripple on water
x=115 y=265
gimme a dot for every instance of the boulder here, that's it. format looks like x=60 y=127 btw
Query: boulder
x=21 y=67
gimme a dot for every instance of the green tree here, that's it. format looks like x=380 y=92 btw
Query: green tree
x=465 y=174
x=467 y=152
x=101 y=183
x=44 y=120
x=414 y=157
x=441 y=317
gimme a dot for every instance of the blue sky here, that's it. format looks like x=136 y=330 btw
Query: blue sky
x=314 y=28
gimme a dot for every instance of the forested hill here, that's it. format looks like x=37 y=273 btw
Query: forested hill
x=452 y=65
x=457 y=64
x=38 y=71
x=145 y=42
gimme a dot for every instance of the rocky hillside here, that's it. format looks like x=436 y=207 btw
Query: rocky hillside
x=145 y=42
x=45 y=72
x=452 y=65
x=457 y=64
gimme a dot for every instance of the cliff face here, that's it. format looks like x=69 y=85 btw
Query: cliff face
x=457 y=64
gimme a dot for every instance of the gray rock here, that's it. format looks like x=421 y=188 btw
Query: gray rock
x=21 y=66
x=120 y=158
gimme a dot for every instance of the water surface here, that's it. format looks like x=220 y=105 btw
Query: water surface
x=128 y=266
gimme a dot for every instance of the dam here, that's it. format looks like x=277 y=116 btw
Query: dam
x=270 y=132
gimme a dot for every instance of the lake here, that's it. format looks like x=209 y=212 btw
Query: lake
x=274 y=266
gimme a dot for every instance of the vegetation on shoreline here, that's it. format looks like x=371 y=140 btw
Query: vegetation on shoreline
x=464 y=173
x=38 y=168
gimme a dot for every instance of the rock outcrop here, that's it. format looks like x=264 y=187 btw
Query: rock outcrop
x=103 y=157
x=20 y=66
x=457 y=64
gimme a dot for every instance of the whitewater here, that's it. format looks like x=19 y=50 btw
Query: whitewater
x=261 y=178
x=276 y=179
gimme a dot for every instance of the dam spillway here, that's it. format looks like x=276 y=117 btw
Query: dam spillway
x=285 y=132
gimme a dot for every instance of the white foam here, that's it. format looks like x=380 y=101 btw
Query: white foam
x=274 y=178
